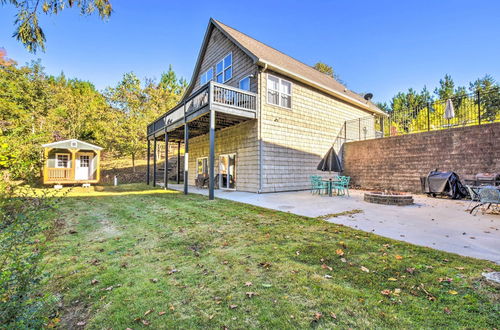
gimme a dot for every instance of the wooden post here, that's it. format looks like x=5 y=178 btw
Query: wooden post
x=98 y=166
x=73 y=162
x=46 y=164
x=165 y=172
x=179 y=162
x=154 y=162
x=211 y=161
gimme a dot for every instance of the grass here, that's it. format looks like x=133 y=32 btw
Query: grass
x=132 y=257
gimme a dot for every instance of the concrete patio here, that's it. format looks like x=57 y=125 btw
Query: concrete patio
x=441 y=224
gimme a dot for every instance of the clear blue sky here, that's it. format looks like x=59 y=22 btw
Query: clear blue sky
x=375 y=46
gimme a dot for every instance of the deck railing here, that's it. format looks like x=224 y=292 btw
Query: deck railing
x=222 y=95
x=59 y=174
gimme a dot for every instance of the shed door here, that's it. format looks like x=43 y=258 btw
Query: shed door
x=82 y=170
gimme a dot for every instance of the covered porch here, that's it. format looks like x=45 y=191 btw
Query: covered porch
x=212 y=107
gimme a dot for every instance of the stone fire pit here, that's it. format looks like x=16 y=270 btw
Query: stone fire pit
x=388 y=198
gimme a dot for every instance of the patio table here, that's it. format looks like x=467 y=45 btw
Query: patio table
x=330 y=183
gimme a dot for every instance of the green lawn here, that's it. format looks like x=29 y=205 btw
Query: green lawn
x=132 y=256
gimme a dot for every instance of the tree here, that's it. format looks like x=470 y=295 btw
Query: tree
x=27 y=28
x=328 y=70
x=446 y=88
x=324 y=68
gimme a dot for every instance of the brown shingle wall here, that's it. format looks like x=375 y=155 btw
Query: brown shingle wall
x=218 y=47
x=295 y=140
x=397 y=163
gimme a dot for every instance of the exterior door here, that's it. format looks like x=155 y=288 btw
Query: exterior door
x=82 y=169
x=227 y=171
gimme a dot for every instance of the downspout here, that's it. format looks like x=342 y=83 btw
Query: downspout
x=259 y=130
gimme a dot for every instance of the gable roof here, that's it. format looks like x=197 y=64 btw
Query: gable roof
x=275 y=60
x=67 y=144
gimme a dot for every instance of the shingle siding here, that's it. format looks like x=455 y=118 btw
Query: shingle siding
x=217 y=48
x=295 y=140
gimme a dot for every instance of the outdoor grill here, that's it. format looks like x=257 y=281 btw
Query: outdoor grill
x=483 y=179
x=443 y=183
x=488 y=179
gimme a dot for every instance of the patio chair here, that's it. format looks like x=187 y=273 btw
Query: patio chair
x=488 y=195
x=474 y=197
x=342 y=185
x=317 y=185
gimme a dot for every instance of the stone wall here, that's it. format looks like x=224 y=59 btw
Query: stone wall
x=397 y=163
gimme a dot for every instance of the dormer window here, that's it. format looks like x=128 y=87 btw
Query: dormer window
x=224 y=69
x=207 y=76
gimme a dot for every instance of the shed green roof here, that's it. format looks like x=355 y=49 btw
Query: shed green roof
x=72 y=144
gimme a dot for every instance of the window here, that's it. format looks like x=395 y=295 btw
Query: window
x=245 y=83
x=207 y=76
x=84 y=161
x=224 y=69
x=62 y=160
x=202 y=166
x=279 y=91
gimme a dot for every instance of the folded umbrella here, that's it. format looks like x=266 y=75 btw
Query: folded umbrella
x=330 y=162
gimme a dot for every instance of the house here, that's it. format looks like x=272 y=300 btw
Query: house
x=71 y=162
x=254 y=119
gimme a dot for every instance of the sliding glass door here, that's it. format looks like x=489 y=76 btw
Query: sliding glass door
x=227 y=171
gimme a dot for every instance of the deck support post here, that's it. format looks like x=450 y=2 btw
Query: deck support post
x=154 y=162
x=179 y=162
x=186 y=156
x=148 y=165
x=211 y=161
x=165 y=172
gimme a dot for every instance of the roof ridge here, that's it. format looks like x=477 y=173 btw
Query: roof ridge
x=279 y=51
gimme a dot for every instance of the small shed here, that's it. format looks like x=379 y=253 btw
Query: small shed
x=71 y=161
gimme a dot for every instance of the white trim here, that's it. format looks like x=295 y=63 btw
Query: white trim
x=68 y=164
x=249 y=82
x=224 y=69
x=278 y=91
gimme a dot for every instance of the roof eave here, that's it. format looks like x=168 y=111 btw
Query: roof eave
x=321 y=87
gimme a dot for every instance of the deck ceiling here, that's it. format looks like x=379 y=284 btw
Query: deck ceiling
x=201 y=125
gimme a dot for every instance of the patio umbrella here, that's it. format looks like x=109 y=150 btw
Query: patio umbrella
x=449 y=111
x=330 y=162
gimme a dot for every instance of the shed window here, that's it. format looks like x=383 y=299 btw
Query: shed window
x=202 y=166
x=245 y=83
x=62 y=160
x=279 y=91
x=207 y=76
x=224 y=69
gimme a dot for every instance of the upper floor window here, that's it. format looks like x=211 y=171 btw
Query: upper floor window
x=207 y=76
x=279 y=91
x=224 y=69
x=245 y=83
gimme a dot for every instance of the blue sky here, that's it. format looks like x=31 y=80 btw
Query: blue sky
x=375 y=46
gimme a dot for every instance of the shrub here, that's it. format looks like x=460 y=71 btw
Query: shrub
x=24 y=221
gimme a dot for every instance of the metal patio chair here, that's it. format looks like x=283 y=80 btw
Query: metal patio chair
x=488 y=195
x=342 y=185
x=474 y=196
x=317 y=184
